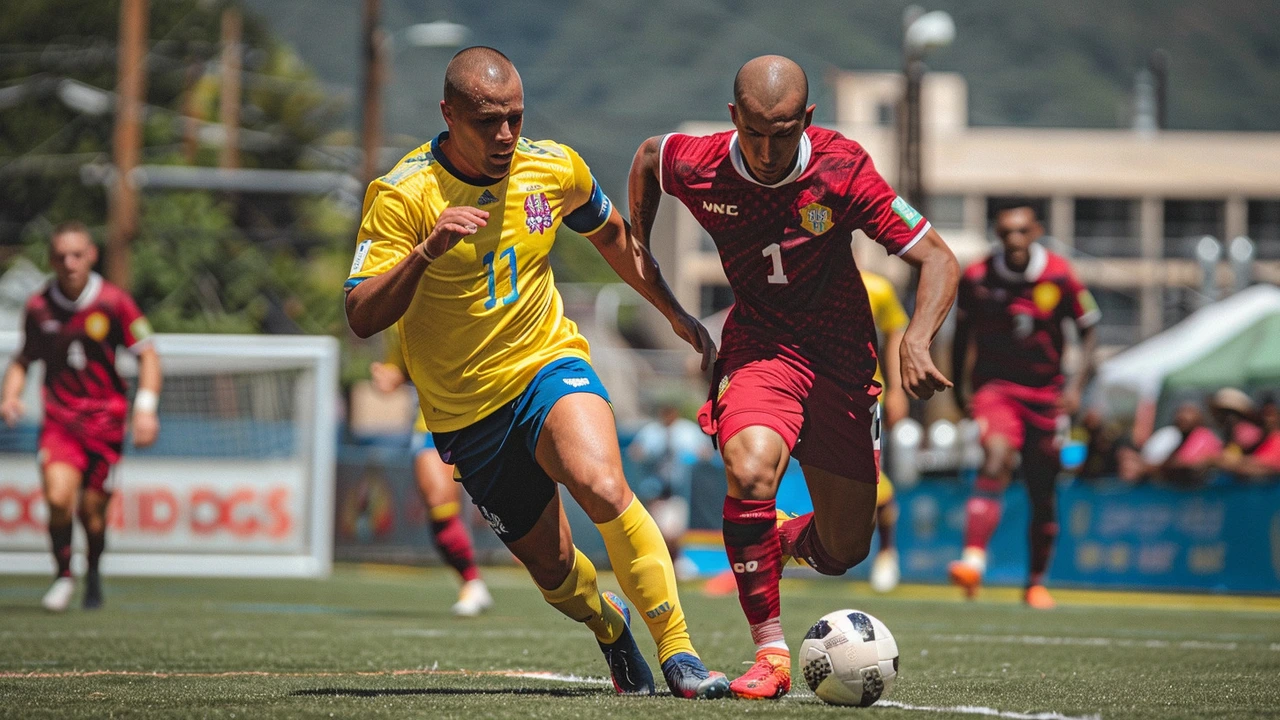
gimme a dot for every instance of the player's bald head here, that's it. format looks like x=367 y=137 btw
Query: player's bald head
x=771 y=83
x=476 y=71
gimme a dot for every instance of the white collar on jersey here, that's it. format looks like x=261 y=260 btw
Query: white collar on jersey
x=1035 y=265
x=87 y=295
x=802 y=161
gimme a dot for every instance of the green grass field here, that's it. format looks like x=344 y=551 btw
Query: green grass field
x=379 y=642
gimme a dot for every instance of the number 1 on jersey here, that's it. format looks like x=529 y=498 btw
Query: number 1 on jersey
x=494 y=300
x=773 y=251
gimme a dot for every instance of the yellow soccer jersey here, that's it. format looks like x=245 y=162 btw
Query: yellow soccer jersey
x=486 y=317
x=885 y=308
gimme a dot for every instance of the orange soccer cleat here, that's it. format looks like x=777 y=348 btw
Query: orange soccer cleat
x=966 y=576
x=1037 y=597
x=768 y=679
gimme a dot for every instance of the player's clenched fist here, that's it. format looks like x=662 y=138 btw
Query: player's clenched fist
x=454 y=224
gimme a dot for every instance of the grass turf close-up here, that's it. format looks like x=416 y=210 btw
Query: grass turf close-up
x=380 y=642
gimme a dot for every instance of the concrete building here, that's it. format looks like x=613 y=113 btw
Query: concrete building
x=1127 y=205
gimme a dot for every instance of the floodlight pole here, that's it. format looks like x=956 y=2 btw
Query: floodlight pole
x=375 y=61
x=122 y=212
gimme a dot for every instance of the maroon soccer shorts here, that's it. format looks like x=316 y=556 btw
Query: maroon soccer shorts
x=823 y=425
x=93 y=457
x=1019 y=413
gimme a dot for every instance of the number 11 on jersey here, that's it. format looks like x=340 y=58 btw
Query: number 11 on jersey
x=773 y=251
x=494 y=300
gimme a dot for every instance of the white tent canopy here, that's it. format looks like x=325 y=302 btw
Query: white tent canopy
x=1142 y=369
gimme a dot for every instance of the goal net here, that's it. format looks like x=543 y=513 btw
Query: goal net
x=240 y=481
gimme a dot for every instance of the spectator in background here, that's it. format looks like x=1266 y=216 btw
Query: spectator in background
x=1253 y=444
x=666 y=449
x=1181 y=453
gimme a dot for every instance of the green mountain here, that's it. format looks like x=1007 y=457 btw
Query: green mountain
x=602 y=76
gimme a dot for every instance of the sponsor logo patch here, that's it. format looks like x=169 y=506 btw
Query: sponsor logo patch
x=97 y=326
x=140 y=329
x=720 y=208
x=1046 y=296
x=908 y=214
x=537 y=212
x=815 y=218
x=362 y=252
x=577 y=382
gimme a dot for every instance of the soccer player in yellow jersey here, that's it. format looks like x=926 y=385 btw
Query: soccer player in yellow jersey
x=439 y=493
x=453 y=249
x=891 y=323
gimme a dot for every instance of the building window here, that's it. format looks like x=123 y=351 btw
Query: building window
x=947 y=211
x=714 y=299
x=1121 y=321
x=1264 y=228
x=1107 y=227
x=886 y=114
x=1186 y=221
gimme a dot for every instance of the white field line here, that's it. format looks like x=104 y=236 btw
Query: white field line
x=1088 y=642
x=523 y=674
x=986 y=711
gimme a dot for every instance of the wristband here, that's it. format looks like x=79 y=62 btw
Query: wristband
x=146 y=401
x=427 y=254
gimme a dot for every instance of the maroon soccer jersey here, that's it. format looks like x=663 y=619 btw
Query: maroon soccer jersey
x=1016 y=317
x=786 y=247
x=77 y=340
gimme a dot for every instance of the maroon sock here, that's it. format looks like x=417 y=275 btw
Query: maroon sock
x=61 y=537
x=1043 y=535
x=97 y=542
x=751 y=542
x=454 y=545
x=982 y=512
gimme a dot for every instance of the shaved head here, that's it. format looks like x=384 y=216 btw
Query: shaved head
x=769 y=81
x=474 y=71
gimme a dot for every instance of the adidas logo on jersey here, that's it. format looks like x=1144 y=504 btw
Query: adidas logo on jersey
x=487 y=198
x=720 y=208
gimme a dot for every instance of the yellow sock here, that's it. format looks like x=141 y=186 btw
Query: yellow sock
x=648 y=578
x=578 y=597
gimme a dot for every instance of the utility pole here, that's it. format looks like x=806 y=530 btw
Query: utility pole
x=122 y=220
x=375 y=62
x=232 y=27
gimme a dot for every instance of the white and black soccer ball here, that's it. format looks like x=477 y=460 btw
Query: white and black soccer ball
x=849 y=658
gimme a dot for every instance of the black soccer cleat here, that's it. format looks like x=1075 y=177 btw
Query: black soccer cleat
x=627 y=667
x=92 y=591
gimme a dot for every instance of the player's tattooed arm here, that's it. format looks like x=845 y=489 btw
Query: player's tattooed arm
x=643 y=189
x=939 y=277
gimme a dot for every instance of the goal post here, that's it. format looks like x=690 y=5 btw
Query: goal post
x=239 y=483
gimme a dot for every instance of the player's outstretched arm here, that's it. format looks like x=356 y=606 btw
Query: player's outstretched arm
x=146 y=403
x=377 y=302
x=637 y=268
x=939 y=277
x=15 y=377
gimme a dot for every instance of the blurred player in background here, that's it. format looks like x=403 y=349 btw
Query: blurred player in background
x=891 y=323
x=1010 y=341
x=454 y=249
x=440 y=493
x=75 y=325
x=781 y=200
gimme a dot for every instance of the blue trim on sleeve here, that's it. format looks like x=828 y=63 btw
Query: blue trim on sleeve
x=351 y=283
x=593 y=214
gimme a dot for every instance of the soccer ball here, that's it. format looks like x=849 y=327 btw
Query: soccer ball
x=849 y=658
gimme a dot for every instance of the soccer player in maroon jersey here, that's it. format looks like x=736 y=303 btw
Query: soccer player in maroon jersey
x=1009 y=340
x=781 y=200
x=74 y=325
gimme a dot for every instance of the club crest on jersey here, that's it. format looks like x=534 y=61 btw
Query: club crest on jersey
x=537 y=212
x=815 y=218
x=724 y=385
x=1046 y=296
x=96 y=326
